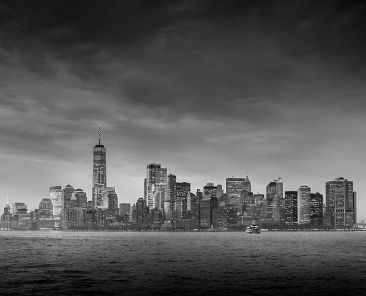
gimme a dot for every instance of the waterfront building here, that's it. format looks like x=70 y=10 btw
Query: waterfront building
x=205 y=211
x=235 y=186
x=316 y=209
x=124 y=209
x=156 y=186
x=274 y=194
x=105 y=194
x=45 y=208
x=303 y=205
x=219 y=191
x=169 y=203
x=290 y=208
x=6 y=217
x=56 y=195
x=341 y=202
x=112 y=204
x=142 y=212
x=99 y=172
x=209 y=191
x=182 y=194
x=19 y=208
x=79 y=198
x=68 y=191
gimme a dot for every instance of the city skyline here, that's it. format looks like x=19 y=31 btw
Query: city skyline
x=209 y=90
x=159 y=183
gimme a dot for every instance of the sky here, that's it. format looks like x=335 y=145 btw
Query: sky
x=209 y=89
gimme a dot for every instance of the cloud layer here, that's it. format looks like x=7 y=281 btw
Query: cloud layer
x=207 y=88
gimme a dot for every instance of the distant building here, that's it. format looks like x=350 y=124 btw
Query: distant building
x=183 y=193
x=19 y=208
x=290 y=208
x=274 y=194
x=219 y=191
x=124 y=209
x=99 y=173
x=45 y=209
x=105 y=193
x=316 y=209
x=56 y=195
x=79 y=198
x=113 y=204
x=235 y=187
x=341 y=203
x=142 y=212
x=156 y=186
x=169 y=203
x=303 y=206
x=68 y=191
x=209 y=191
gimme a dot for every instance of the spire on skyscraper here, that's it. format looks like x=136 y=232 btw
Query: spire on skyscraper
x=99 y=137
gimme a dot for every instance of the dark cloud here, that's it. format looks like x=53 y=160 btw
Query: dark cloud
x=264 y=86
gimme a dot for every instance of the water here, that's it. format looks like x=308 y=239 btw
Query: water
x=148 y=263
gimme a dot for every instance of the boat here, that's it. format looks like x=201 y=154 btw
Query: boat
x=253 y=228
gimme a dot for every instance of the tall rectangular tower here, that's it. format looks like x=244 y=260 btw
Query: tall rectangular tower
x=99 y=173
x=156 y=186
x=303 y=206
x=341 y=202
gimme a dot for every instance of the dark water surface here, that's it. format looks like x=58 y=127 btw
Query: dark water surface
x=147 y=263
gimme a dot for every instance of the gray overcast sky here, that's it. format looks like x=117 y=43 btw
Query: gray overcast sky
x=209 y=89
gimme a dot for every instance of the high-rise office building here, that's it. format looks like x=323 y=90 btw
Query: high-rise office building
x=274 y=194
x=56 y=195
x=303 y=205
x=235 y=187
x=79 y=199
x=19 y=208
x=290 y=208
x=45 y=209
x=209 y=191
x=68 y=191
x=183 y=193
x=106 y=192
x=156 y=186
x=99 y=173
x=316 y=209
x=169 y=203
x=124 y=209
x=341 y=202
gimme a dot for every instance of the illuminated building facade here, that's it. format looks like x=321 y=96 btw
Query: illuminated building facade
x=316 y=209
x=99 y=173
x=274 y=194
x=303 y=205
x=156 y=186
x=56 y=195
x=341 y=202
x=290 y=208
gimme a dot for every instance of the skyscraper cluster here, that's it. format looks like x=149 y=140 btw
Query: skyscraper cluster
x=171 y=205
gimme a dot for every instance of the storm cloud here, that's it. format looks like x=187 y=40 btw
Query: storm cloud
x=210 y=89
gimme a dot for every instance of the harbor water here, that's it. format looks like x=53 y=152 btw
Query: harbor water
x=182 y=263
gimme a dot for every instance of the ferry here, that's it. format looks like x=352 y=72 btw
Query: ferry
x=253 y=228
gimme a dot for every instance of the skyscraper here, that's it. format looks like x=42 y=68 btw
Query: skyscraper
x=341 y=202
x=156 y=186
x=235 y=187
x=290 y=211
x=303 y=205
x=56 y=195
x=274 y=193
x=183 y=193
x=99 y=172
x=170 y=199
x=316 y=209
